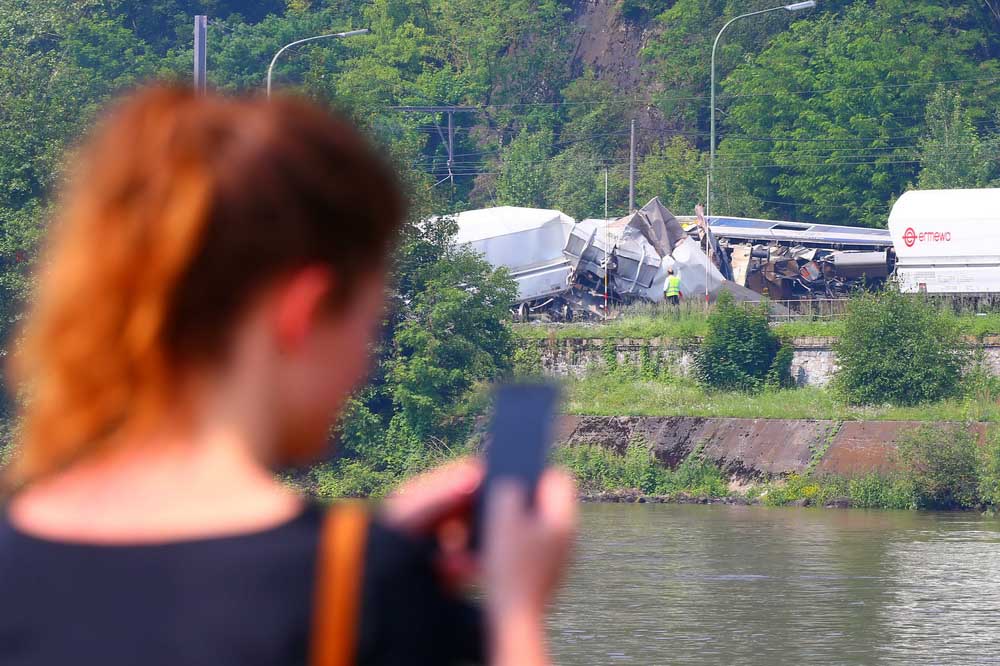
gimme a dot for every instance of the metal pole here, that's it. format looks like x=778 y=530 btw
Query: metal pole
x=794 y=7
x=284 y=48
x=451 y=146
x=200 y=54
x=607 y=244
x=631 y=170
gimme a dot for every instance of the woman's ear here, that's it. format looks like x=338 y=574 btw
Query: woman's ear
x=298 y=304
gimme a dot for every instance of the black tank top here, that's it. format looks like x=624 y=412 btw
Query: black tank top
x=243 y=599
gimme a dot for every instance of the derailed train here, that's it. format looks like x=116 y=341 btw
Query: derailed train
x=938 y=241
x=566 y=269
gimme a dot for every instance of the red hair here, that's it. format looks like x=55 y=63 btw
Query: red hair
x=182 y=208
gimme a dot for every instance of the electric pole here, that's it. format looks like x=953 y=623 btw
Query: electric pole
x=449 y=140
x=200 y=53
x=631 y=170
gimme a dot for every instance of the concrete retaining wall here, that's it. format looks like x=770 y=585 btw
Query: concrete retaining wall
x=748 y=449
x=813 y=361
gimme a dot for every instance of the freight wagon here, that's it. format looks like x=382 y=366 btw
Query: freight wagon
x=947 y=241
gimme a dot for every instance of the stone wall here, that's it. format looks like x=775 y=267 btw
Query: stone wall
x=813 y=361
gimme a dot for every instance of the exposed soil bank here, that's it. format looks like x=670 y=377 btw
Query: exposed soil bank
x=750 y=449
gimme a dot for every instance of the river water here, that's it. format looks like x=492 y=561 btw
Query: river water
x=667 y=584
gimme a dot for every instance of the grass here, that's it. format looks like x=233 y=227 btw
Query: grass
x=658 y=321
x=871 y=491
x=598 y=469
x=623 y=394
x=647 y=323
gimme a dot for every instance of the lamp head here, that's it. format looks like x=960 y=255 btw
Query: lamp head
x=796 y=6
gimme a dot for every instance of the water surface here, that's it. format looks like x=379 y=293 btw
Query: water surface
x=665 y=584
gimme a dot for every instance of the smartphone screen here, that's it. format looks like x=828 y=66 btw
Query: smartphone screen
x=519 y=438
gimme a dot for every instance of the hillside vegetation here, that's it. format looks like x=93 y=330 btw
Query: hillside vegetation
x=825 y=115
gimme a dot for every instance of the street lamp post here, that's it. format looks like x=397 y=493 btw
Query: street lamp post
x=794 y=7
x=284 y=48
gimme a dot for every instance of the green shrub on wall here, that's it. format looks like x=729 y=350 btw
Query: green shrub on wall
x=898 y=349
x=942 y=462
x=740 y=351
x=989 y=470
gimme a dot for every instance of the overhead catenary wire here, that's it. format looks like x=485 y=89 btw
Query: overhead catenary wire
x=694 y=98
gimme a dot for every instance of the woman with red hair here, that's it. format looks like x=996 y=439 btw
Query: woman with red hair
x=205 y=307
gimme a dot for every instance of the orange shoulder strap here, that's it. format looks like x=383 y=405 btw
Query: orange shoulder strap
x=339 y=569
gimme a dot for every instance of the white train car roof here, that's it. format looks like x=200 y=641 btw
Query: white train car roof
x=800 y=233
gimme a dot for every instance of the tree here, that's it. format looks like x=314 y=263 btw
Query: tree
x=524 y=172
x=952 y=154
x=58 y=64
x=821 y=123
x=457 y=334
x=740 y=351
x=576 y=184
x=898 y=349
x=674 y=171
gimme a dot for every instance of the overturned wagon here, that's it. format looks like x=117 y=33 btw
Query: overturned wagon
x=529 y=243
x=565 y=269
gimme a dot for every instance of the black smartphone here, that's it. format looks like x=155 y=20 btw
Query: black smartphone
x=520 y=435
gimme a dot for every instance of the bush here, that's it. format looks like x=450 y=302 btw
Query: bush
x=527 y=361
x=740 y=349
x=898 y=349
x=350 y=478
x=600 y=469
x=942 y=464
x=878 y=491
x=989 y=470
x=793 y=488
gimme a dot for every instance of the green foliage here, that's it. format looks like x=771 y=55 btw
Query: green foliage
x=527 y=361
x=871 y=491
x=795 y=488
x=609 y=352
x=834 y=96
x=942 y=463
x=740 y=349
x=599 y=469
x=675 y=172
x=989 y=470
x=524 y=179
x=952 y=154
x=880 y=491
x=779 y=375
x=350 y=478
x=898 y=349
x=455 y=335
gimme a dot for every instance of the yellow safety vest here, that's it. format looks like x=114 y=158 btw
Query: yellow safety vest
x=673 y=286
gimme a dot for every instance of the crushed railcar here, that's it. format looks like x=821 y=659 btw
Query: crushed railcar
x=794 y=260
x=566 y=270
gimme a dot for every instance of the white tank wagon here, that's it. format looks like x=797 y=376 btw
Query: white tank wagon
x=529 y=243
x=947 y=241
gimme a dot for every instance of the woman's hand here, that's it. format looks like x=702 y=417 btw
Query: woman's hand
x=525 y=552
x=439 y=504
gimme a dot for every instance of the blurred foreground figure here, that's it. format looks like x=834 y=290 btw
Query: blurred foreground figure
x=207 y=303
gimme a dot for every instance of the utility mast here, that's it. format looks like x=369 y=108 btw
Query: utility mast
x=200 y=53
x=449 y=140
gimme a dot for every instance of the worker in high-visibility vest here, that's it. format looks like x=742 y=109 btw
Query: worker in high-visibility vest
x=673 y=288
